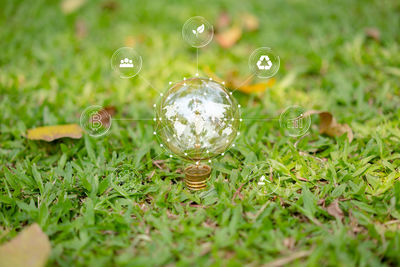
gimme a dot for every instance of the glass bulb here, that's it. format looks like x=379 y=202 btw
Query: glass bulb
x=197 y=119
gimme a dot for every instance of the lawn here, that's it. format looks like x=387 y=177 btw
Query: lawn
x=337 y=203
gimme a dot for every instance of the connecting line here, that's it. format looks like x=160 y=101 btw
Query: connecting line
x=148 y=83
x=127 y=119
x=258 y=119
x=243 y=83
x=197 y=60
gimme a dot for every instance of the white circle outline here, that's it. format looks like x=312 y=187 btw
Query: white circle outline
x=301 y=133
x=115 y=68
x=81 y=119
x=257 y=73
x=206 y=21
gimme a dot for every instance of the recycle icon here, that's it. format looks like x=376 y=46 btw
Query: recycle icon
x=262 y=66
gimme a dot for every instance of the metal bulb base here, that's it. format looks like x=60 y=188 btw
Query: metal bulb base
x=196 y=176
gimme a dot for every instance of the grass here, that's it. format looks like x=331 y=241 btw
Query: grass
x=49 y=74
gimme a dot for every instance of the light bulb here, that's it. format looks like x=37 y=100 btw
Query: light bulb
x=197 y=119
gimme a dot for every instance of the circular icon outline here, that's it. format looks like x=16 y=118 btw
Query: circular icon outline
x=85 y=117
x=262 y=71
x=260 y=174
x=200 y=29
x=114 y=62
x=283 y=121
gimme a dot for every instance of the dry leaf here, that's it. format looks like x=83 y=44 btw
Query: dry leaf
x=258 y=87
x=105 y=115
x=110 y=5
x=80 y=29
x=228 y=38
x=30 y=248
x=69 y=6
x=334 y=210
x=373 y=33
x=250 y=22
x=235 y=82
x=50 y=133
x=329 y=126
x=223 y=21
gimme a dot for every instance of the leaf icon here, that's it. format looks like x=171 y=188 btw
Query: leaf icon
x=200 y=29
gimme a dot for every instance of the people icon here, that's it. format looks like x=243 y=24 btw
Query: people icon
x=126 y=63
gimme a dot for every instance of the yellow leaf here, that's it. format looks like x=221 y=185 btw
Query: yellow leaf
x=229 y=37
x=69 y=6
x=50 y=133
x=250 y=22
x=258 y=87
x=30 y=248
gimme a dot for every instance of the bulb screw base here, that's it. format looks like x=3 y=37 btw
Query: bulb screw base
x=196 y=176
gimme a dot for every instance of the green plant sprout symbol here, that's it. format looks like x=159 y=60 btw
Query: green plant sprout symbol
x=199 y=29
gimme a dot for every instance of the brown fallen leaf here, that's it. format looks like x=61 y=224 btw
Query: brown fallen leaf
x=257 y=87
x=50 y=133
x=30 y=248
x=334 y=210
x=80 y=29
x=329 y=126
x=234 y=82
x=223 y=21
x=69 y=6
x=110 y=5
x=373 y=33
x=250 y=22
x=229 y=37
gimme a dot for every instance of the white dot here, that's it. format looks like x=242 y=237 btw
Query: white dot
x=197 y=74
x=161 y=145
x=161 y=94
x=233 y=119
x=122 y=61
x=222 y=153
x=241 y=119
x=184 y=78
x=154 y=119
x=185 y=154
x=209 y=160
x=168 y=140
x=197 y=163
x=160 y=119
x=233 y=145
x=205 y=93
x=154 y=133
x=170 y=82
x=208 y=151
x=227 y=141
x=154 y=105
x=184 y=83
x=170 y=156
x=223 y=82
x=239 y=106
x=230 y=93
x=210 y=79
x=238 y=133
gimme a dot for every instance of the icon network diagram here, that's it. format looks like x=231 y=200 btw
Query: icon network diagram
x=197 y=119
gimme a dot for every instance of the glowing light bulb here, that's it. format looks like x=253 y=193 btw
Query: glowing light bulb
x=197 y=119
